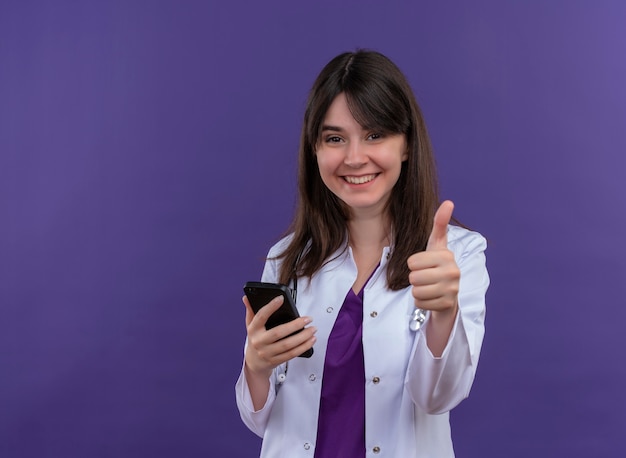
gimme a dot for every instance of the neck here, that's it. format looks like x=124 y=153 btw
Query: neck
x=369 y=233
x=368 y=236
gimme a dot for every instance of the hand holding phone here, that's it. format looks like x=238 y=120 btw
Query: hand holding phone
x=260 y=294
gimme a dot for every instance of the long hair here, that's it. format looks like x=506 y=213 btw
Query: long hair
x=379 y=97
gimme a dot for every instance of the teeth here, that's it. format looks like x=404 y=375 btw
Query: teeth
x=359 y=180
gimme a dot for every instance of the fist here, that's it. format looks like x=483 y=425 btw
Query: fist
x=434 y=274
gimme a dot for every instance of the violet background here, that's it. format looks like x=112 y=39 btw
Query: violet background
x=147 y=163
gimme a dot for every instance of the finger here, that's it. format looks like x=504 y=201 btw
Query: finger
x=289 y=348
x=438 y=304
x=276 y=351
x=297 y=351
x=438 y=239
x=429 y=259
x=425 y=277
x=292 y=341
x=260 y=318
x=286 y=329
x=427 y=292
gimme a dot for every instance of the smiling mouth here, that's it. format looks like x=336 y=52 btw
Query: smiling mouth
x=359 y=180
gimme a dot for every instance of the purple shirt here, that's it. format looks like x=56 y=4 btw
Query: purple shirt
x=341 y=422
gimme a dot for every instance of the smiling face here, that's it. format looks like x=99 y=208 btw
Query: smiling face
x=360 y=166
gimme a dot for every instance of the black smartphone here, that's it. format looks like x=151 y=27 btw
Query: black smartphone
x=260 y=294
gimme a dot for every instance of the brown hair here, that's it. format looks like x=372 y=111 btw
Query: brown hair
x=379 y=97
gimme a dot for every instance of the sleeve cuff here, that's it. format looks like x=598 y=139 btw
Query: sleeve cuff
x=255 y=420
x=453 y=332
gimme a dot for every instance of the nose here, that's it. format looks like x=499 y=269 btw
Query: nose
x=355 y=155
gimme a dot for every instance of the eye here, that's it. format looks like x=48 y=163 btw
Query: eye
x=332 y=139
x=375 y=136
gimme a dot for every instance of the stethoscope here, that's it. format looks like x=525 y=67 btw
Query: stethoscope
x=418 y=317
x=294 y=294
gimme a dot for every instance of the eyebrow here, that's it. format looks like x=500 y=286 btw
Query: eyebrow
x=331 y=128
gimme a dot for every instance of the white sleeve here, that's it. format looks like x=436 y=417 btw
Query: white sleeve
x=256 y=421
x=437 y=385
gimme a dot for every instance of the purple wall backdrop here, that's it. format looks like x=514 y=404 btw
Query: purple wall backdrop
x=147 y=163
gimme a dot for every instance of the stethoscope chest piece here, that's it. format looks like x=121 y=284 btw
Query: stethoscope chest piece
x=417 y=319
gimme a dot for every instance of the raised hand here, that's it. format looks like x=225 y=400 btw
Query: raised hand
x=434 y=273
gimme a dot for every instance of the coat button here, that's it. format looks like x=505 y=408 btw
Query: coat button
x=307 y=446
x=374 y=314
x=376 y=380
x=376 y=449
x=329 y=310
x=312 y=377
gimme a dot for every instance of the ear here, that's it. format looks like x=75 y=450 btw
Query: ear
x=405 y=155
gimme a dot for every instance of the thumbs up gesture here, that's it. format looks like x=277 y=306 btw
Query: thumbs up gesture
x=434 y=273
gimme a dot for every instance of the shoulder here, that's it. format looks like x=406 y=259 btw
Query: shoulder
x=279 y=247
x=273 y=260
x=271 y=271
x=462 y=241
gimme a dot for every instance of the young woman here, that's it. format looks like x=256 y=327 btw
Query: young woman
x=391 y=297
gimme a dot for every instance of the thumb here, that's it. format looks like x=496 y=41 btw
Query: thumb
x=249 y=312
x=438 y=239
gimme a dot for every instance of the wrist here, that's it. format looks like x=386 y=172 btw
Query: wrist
x=262 y=373
x=444 y=315
x=440 y=326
